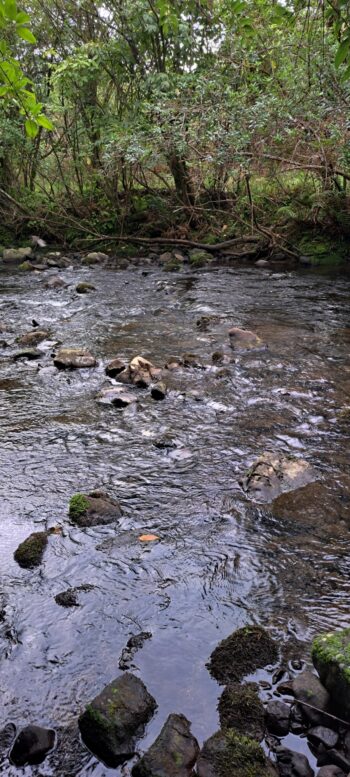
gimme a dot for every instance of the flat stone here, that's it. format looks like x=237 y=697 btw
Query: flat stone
x=115 y=718
x=117 y=396
x=272 y=474
x=308 y=688
x=173 y=754
x=32 y=745
x=277 y=716
x=321 y=735
x=73 y=358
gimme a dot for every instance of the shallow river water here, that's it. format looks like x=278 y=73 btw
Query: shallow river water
x=220 y=562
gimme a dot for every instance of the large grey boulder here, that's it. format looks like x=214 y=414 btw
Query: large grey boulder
x=113 y=720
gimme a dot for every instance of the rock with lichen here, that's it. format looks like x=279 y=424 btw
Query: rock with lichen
x=113 y=720
x=94 y=509
x=173 y=754
x=240 y=654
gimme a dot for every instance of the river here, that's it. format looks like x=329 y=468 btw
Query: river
x=220 y=562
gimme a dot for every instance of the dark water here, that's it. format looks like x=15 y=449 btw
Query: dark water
x=220 y=563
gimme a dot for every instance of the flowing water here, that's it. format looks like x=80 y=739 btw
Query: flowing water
x=220 y=562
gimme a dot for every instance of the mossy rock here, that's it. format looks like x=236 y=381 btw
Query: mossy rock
x=199 y=258
x=112 y=721
x=331 y=657
x=29 y=553
x=172 y=266
x=229 y=754
x=241 y=653
x=94 y=509
x=26 y=266
x=84 y=288
x=240 y=708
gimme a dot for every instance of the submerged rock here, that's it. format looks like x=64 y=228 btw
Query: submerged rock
x=7 y=735
x=308 y=688
x=112 y=721
x=174 y=752
x=31 y=354
x=191 y=360
x=133 y=644
x=228 y=754
x=243 y=339
x=55 y=283
x=84 y=288
x=69 y=598
x=241 y=653
x=240 y=708
x=331 y=658
x=73 y=358
x=272 y=474
x=117 y=396
x=29 y=553
x=32 y=745
x=93 y=509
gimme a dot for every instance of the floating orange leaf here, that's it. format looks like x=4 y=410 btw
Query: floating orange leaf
x=148 y=537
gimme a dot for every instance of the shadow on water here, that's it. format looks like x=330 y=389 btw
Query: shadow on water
x=220 y=562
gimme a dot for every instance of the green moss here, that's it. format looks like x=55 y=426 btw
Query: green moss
x=333 y=647
x=25 y=266
x=199 y=258
x=241 y=653
x=231 y=754
x=172 y=266
x=78 y=505
x=241 y=709
x=30 y=552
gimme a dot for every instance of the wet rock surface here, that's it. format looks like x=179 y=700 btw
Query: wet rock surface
x=241 y=653
x=243 y=339
x=94 y=509
x=69 y=598
x=307 y=688
x=133 y=644
x=331 y=657
x=277 y=716
x=32 y=745
x=174 y=752
x=112 y=721
x=292 y=764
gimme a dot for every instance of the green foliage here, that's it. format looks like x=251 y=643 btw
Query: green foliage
x=78 y=505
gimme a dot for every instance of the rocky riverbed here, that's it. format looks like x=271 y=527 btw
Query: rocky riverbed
x=175 y=448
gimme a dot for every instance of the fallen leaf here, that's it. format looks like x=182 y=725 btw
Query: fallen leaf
x=148 y=537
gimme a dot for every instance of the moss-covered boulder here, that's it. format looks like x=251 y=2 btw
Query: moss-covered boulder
x=26 y=266
x=84 y=288
x=94 y=509
x=331 y=658
x=241 y=653
x=29 y=553
x=95 y=257
x=115 y=718
x=199 y=258
x=173 y=754
x=229 y=754
x=240 y=708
